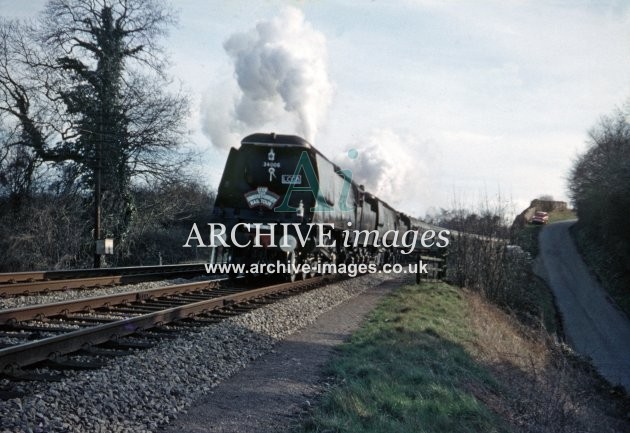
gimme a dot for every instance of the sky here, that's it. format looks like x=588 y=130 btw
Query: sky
x=447 y=103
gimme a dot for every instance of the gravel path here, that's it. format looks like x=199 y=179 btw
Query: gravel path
x=593 y=325
x=143 y=391
x=275 y=389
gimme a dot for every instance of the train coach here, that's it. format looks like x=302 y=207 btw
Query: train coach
x=278 y=195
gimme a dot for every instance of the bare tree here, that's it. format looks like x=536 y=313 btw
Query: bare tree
x=84 y=88
x=22 y=136
x=18 y=165
x=600 y=187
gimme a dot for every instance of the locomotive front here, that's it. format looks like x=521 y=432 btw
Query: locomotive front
x=273 y=186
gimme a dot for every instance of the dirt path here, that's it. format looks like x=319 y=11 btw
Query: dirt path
x=593 y=325
x=267 y=395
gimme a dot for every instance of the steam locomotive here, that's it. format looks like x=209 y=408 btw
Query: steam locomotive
x=280 y=197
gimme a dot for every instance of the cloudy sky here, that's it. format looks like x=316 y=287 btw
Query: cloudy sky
x=444 y=101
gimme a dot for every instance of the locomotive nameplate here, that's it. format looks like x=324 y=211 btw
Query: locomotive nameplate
x=261 y=197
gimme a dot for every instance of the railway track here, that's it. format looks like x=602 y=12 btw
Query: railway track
x=48 y=333
x=25 y=283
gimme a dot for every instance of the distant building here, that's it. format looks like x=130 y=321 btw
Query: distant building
x=548 y=205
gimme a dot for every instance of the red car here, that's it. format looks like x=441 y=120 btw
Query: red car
x=540 y=218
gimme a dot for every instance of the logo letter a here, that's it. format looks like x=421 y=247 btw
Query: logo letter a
x=304 y=164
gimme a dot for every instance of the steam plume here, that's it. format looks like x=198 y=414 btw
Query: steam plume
x=393 y=167
x=282 y=80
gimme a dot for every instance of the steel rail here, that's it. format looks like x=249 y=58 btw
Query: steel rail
x=30 y=276
x=38 y=311
x=16 y=289
x=53 y=347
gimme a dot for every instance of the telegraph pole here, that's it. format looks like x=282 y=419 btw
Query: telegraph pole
x=97 y=202
x=97 y=183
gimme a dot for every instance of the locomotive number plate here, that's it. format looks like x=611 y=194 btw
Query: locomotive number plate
x=292 y=179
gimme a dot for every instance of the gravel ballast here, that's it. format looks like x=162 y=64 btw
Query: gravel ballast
x=145 y=390
x=71 y=294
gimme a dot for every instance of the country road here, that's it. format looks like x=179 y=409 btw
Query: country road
x=594 y=327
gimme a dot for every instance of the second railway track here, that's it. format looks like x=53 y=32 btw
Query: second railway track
x=28 y=283
x=49 y=332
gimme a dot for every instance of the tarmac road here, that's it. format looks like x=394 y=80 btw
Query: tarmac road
x=593 y=325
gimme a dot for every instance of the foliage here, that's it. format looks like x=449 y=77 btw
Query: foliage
x=84 y=96
x=488 y=265
x=48 y=231
x=165 y=214
x=485 y=222
x=52 y=230
x=610 y=273
x=600 y=187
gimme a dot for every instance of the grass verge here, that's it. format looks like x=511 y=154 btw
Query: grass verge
x=439 y=359
x=609 y=273
x=545 y=307
x=527 y=238
x=539 y=299
x=406 y=371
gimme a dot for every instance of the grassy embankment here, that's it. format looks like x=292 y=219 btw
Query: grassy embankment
x=442 y=359
x=434 y=358
x=614 y=280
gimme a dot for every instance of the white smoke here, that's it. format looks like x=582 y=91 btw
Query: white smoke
x=395 y=168
x=280 y=67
